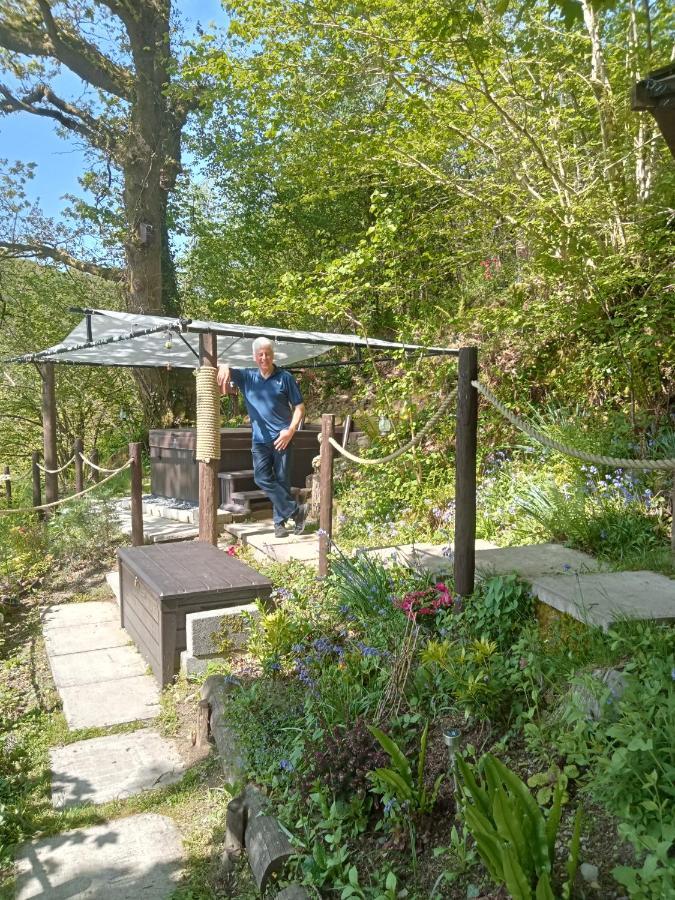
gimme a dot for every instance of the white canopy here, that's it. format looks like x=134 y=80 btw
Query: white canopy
x=110 y=338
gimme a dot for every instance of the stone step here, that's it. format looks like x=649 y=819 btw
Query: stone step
x=113 y=767
x=138 y=856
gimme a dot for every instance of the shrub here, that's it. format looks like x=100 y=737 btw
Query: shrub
x=344 y=758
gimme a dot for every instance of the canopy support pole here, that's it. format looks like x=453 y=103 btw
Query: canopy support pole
x=49 y=430
x=465 y=472
x=208 y=470
x=326 y=492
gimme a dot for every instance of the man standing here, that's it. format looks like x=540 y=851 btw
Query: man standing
x=270 y=394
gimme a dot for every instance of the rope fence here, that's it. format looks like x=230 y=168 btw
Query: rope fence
x=56 y=471
x=96 y=468
x=43 y=506
x=362 y=461
x=596 y=459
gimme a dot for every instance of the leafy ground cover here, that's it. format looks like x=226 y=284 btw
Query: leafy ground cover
x=561 y=782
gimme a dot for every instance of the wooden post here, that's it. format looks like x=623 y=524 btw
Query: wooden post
x=202 y=731
x=672 y=516
x=346 y=431
x=208 y=471
x=137 y=536
x=8 y=486
x=326 y=492
x=465 y=472
x=94 y=458
x=78 y=447
x=37 y=487
x=49 y=430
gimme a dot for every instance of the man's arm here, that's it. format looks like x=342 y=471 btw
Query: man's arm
x=286 y=435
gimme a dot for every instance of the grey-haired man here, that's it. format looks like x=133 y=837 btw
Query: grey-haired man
x=276 y=409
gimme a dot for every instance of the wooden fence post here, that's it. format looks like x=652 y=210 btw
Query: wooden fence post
x=94 y=458
x=8 y=486
x=672 y=516
x=78 y=447
x=326 y=492
x=465 y=472
x=137 y=536
x=208 y=471
x=49 y=430
x=37 y=487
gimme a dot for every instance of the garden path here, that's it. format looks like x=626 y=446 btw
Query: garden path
x=102 y=682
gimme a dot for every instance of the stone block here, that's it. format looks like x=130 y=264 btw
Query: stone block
x=206 y=632
x=294 y=892
x=193 y=666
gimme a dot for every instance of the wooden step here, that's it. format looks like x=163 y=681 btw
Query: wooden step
x=231 y=476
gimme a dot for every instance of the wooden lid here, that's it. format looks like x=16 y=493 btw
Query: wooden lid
x=179 y=569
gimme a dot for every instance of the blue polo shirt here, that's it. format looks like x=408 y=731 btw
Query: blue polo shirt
x=268 y=400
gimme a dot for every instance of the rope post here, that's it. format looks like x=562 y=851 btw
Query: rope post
x=49 y=430
x=37 y=486
x=208 y=469
x=78 y=448
x=465 y=472
x=94 y=458
x=8 y=486
x=137 y=536
x=326 y=492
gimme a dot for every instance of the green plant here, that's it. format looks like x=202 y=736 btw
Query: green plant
x=498 y=610
x=513 y=837
x=397 y=781
x=473 y=670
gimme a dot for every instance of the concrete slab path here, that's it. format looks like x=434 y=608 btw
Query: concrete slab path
x=113 y=767
x=99 y=674
x=605 y=598
x=138 y=856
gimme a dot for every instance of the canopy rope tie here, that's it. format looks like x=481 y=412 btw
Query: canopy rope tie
x=55 y=471
x=30 y=509
x=208 y=414
x=593 y=458
x=401 y=450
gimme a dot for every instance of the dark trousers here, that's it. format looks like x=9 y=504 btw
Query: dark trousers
x=272 y=474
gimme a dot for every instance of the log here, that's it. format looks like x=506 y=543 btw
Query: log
x=49 y=430
x=78 y=447
x=203 y=724
x=137 y=536
x=294 y=892
x=37 y=485
x=465 y=472
x=326 y=492
x=268 y=848
x=8 y=486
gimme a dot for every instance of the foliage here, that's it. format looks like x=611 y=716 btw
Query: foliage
x=515 y=840
x=396 y=782
x=498 y=610
x=343 y=760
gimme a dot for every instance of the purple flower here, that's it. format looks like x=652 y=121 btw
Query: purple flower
x=286 y=765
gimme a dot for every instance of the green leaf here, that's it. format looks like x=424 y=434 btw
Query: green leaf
x=534 y=820
x=509 y=828
x=392 y=749
x=553 y=820
x=393 y=780
x=478 y=795
x=515 y=879
x=544 y=890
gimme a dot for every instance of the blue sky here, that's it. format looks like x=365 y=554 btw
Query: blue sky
x=29 y=138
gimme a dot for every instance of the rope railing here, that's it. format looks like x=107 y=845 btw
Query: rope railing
x=362 y=461
x=592 y=458
x=56 y=471
x=97 y=468
x=30 y=509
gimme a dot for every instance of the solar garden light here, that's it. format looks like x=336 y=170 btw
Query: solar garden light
x=168 y=341
x=451 y=738
x=384 y=425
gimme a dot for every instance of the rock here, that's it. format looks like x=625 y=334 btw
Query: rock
x=207 y=632
x=607 y=684
x=294 y=892
x=589 y=873
x=215 y=689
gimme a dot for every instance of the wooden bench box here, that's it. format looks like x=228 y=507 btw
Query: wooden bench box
x=161 y=583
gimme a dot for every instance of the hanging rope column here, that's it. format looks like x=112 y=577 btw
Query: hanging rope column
x=208 y=415
x=208 y=438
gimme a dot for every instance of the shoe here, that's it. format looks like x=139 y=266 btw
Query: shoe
x=280 y=531
x=300 y=519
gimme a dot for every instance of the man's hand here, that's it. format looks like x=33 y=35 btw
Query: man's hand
x=223 y=379
x=284 y=439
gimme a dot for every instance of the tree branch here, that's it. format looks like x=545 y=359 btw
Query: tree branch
x=80 y=56
x=15 y=250
x=66 y=114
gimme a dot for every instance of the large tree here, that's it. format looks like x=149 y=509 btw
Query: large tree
x=129 y=114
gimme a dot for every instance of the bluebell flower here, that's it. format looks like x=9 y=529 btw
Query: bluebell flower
x=672 y=674
x=389 y=805
x=286 y=765
x=274 y=666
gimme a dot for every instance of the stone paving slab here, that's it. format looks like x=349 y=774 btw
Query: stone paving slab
x=243 y=530
x=534 y=560
x=113 y=767
x=138 y=856
x=80 y=638
x=604 y=598
x=110 y=664
x=113 y=582
x=66 y=615
x=106 y=703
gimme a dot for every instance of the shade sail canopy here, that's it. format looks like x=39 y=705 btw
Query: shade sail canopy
x=110 y=338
